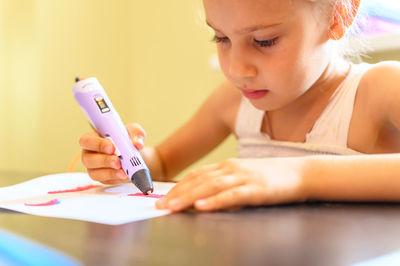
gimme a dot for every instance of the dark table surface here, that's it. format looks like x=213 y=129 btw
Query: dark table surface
x=304 y=234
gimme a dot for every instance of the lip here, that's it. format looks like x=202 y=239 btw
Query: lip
x=256 y=94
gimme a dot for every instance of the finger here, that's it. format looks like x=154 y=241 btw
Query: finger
x=92 y=160
x=137 y=135
x=191 y=179
x=186 y=184
x=232 y=198
x=135 y=129
x=106 y=175
x=93 y=142
x=207 y=189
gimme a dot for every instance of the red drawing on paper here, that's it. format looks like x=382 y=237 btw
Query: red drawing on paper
x=156 y=196
x=78 y=189
x=49 y=203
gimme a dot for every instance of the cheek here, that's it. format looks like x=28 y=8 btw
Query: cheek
x=290 y=68
x=223 y=59
x=281 y=70
x=311 y=65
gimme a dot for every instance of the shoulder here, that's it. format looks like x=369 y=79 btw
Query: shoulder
x=383 y=74
x=376 y=115
x=379 y=88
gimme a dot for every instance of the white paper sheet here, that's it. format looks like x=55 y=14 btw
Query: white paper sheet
x=104 y=204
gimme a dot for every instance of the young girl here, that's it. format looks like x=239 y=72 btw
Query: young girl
x=292 y=102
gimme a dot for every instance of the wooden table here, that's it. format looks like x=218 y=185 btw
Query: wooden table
x=304 y=234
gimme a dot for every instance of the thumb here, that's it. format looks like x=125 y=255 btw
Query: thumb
x=137 y=135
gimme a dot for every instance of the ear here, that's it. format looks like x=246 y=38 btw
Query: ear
x=345 y=12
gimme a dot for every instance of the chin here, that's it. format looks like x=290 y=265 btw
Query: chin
x=265 y=106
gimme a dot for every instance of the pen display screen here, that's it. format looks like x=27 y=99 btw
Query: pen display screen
x=102 y=104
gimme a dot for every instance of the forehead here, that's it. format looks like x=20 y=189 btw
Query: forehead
x=247 y=12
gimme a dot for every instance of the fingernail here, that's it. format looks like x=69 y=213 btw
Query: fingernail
x=138 y=142
x=162 y=202
x=115 y=164
x=109 y=149
x=200 y=203
x=122 y=175
x=141 y=141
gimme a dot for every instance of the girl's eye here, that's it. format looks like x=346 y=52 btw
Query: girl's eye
x=218 y=39
x=266 y=43
x=261 y=43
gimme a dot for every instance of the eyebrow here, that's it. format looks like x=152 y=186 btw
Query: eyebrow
x=248 y=29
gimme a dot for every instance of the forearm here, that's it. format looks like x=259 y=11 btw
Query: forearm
x=353 y=178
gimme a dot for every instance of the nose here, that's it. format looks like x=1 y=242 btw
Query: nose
x=240 y=65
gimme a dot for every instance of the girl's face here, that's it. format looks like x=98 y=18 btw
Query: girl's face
x=272 y=50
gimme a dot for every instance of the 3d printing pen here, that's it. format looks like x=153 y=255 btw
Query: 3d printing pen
x=94 y=101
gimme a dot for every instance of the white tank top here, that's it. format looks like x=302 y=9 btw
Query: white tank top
x=328 y=135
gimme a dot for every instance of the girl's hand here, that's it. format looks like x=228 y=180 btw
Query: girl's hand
x=99 y=159
x=238 y=182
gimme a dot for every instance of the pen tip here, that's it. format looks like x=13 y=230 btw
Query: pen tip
x=77 y=79
x=148 y=192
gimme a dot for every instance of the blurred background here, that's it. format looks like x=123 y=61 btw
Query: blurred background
x=154 y=59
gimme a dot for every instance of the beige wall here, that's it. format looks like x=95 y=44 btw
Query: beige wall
x=151 y=56
x=171 y=68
